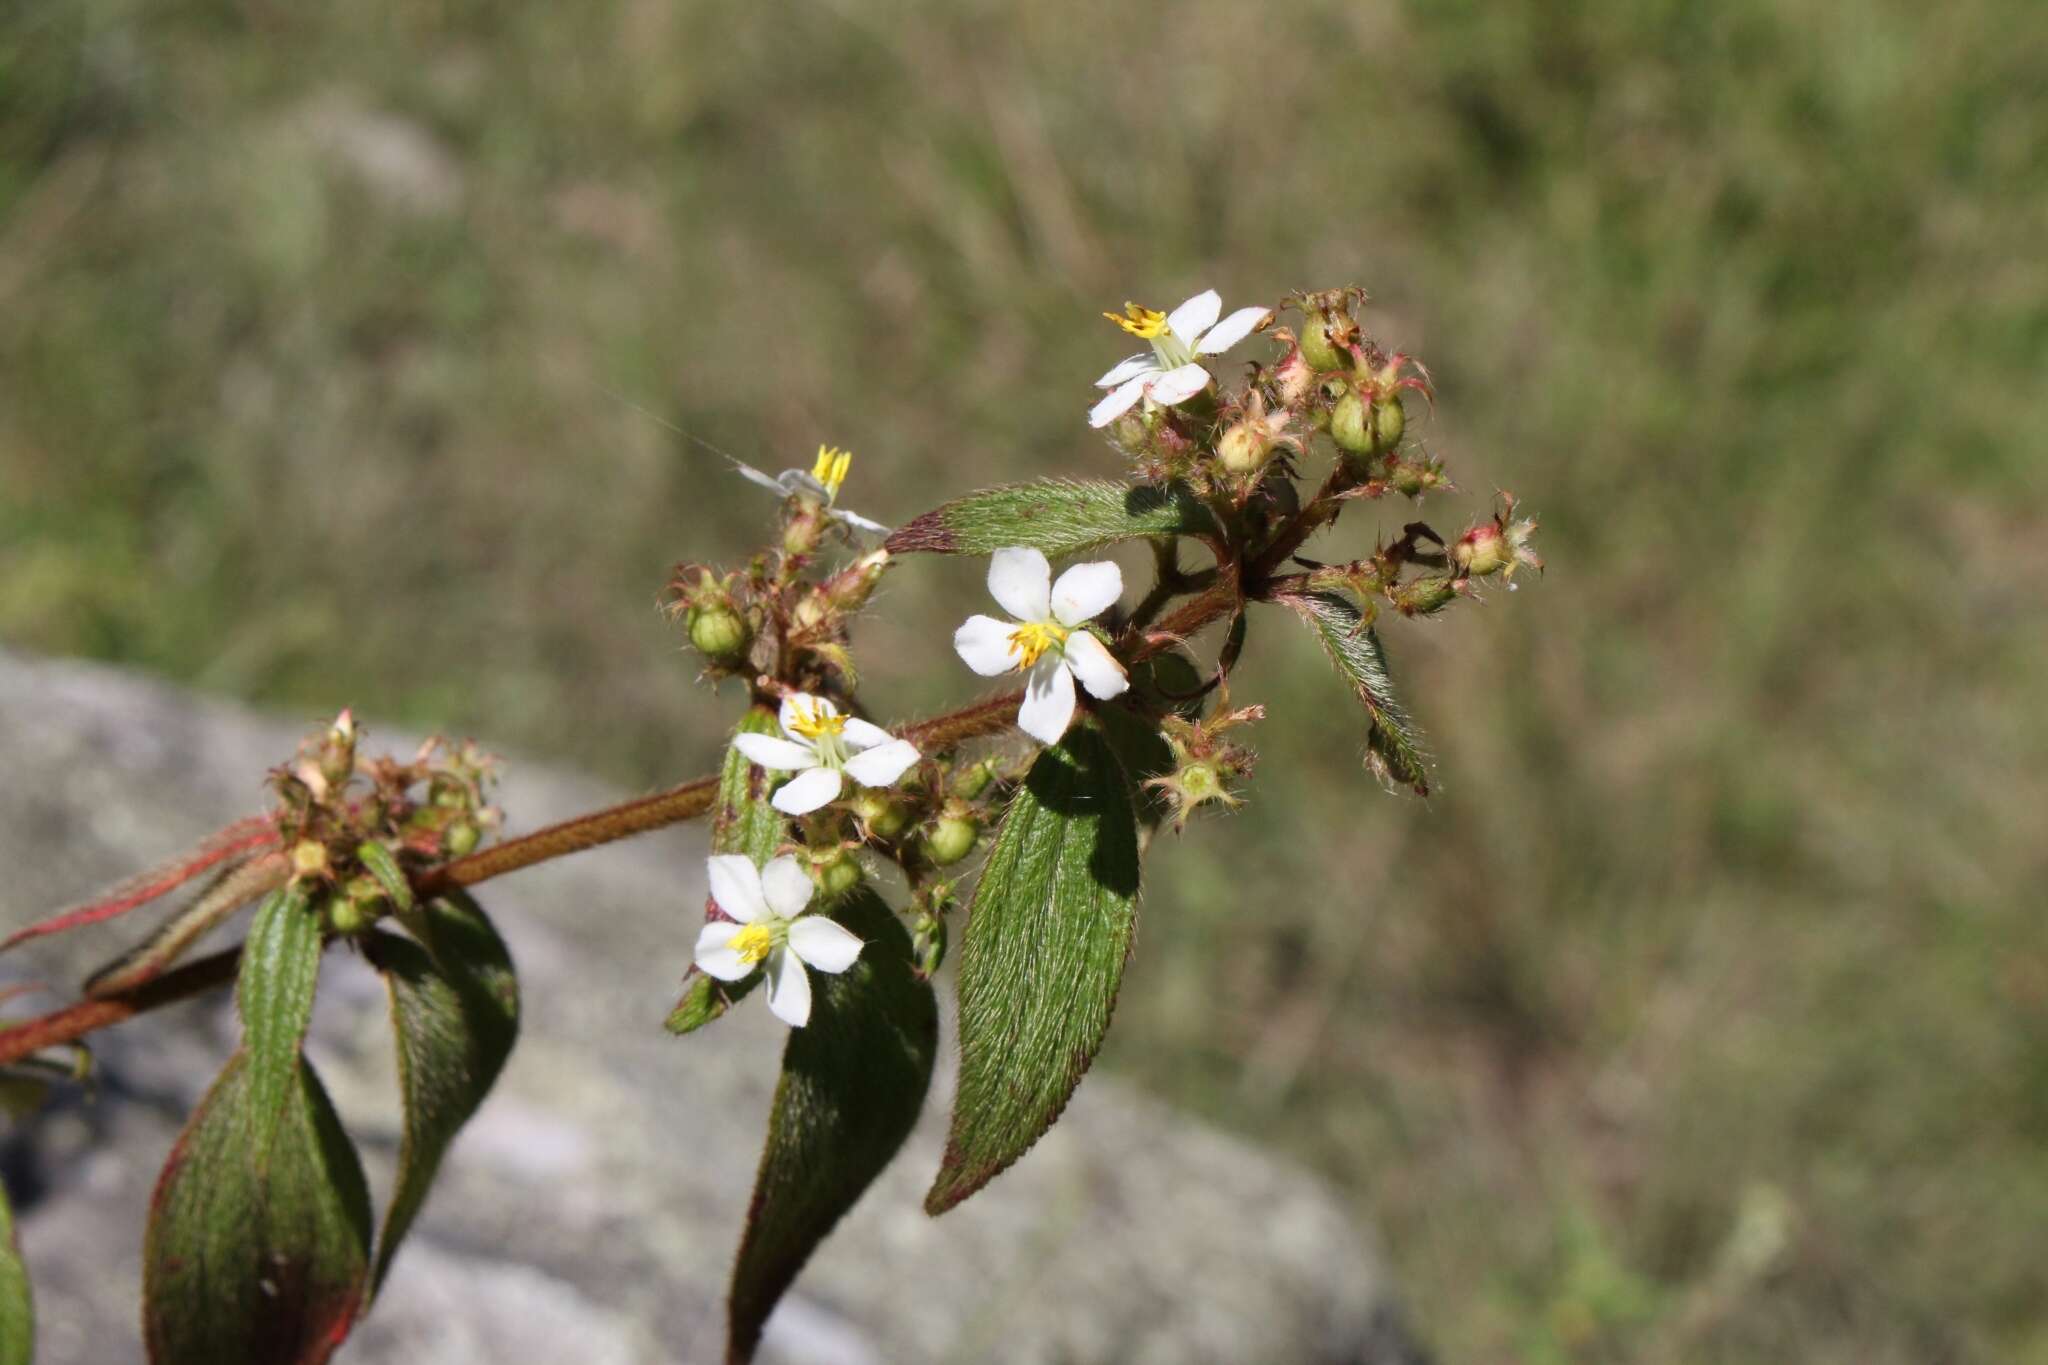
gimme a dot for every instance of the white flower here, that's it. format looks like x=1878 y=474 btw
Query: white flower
x=819 y=744
x=821 y=485
x=1170 y=374
x=1046 y=639
x=766 y=904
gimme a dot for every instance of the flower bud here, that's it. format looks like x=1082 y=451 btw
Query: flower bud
x=1426 y=596
x=973 y=780
x=884 y=816
x=806 y=525
x=1481 y=551
x=951 y=837
x=1326 y=332
x=1293 y=376
x=850 y=588
x=309 y=858
x=1245 y=447
x=337 y=761
x=361 y=903
x=720 y=633
x=1411 y=479
x=1389 y=420
x=460 y=839
x=927 y=944
x=835 y=870
x=1351 y=424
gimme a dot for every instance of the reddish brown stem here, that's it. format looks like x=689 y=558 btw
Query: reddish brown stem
x=609 y=825
x=75 y=1021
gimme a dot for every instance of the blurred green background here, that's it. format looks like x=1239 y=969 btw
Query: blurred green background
x=1703 y=1016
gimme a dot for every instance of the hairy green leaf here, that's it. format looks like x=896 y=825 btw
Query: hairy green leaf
x=248 y=1259
x=455 y=1009
x=1047 y=937
x=853 y=1080
x=1056 y=516
x=742 y=822
x=1354 y=647
x=280 y=969
x=379 y=862
x=17 y=1309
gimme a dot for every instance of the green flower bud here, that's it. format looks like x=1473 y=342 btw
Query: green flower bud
x=835 y=870
x=1389 y=420
x=1350 y=424
x=1425 y=596
x=1413 y=479
x=1321 y=335
x=928 y=944
x=720 y=633
x=361 y=903
x=951 y=837
x=460 y=839
x=805 y=527
x=884 y=816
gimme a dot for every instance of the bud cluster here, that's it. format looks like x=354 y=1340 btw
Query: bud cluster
x=331 y=802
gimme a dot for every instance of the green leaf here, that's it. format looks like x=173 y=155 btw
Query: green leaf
x=455 y=1009
x=379 y=862
x=17 y=1309
x=742 y=822
x=1056 y=516
x=1047 y=937
x=248 y=1259
x=280 y=968
x=853 y=1080
x=1392 y=741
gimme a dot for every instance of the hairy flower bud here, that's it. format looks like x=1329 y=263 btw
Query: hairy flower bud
x=360 y=904
x=850 y=588
x=337 y=759
x=1427 y=596
x=309 y=858
x=1389 y=421
x=1413 y=478
x=1351 y=424
x=927 y=943
x=720 y=633
x=951 y=836
x=1481 y=551
x=460 y=839
x=835 y=869
x=883 y=815
x=1245 y=447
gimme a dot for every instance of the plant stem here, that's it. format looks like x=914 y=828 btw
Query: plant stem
x=609 y=825
x=75 y=1021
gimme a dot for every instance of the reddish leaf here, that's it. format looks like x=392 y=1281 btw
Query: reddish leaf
x=240 y=839
x=249 y=1259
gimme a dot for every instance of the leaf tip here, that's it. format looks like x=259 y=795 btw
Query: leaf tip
x=928 y=534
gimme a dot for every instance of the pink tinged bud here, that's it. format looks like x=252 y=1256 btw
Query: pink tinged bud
x=1245 y=447
x=1481 y=551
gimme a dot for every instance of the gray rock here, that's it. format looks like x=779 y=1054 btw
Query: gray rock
x=590 y=1211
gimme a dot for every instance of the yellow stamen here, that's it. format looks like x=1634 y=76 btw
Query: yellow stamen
x=753 y=943
x=831 y=467
x=1145 y=323
x=816 y=722
x=1033 y=638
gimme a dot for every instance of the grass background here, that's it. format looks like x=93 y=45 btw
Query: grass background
x=1702 y=1017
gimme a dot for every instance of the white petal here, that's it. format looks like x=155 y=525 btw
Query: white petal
x=1021 y=582
x=859 y=522
x=880 y=767
x=983 y=643
x=860 y=734
x=1086 y=591
x=789 y=990
x=1178 y=385
x=807 y=791
x=1048 y=701
x=714 y=958
x=798 y=705
x=753 y=475
x=786 y=886
x=1192 y=318
x=1231 y=330
x=736 y=886
x=1095 y=666
x=799 y=481
x=1128 y=369
x=1119 y=403
x=823 y=944
x=783 y=755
